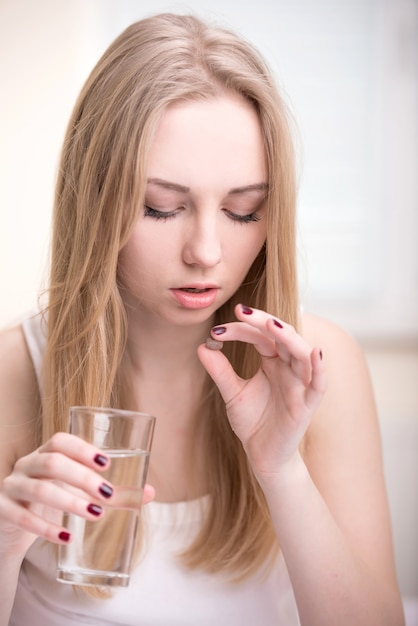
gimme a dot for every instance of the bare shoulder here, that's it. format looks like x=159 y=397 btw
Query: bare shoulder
x=15 y=362
x=19 y=397
x=347 y=412
x=343 y=356
x=330 y=337
x=342 y=447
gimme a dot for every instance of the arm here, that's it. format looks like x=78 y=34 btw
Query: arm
x=19 y=408
x=344 y=482
x=31 y=501
x=33 y=481
x=316 y=455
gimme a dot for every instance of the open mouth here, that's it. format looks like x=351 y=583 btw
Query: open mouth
x=195 y=297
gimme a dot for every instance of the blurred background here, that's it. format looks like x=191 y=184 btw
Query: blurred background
x=349 y=69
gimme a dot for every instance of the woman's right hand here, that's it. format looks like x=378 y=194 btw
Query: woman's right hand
x=61 y=475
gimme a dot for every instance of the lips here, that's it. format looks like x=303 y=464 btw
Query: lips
x=195 y=296
x=198 y=287
x=195 y=289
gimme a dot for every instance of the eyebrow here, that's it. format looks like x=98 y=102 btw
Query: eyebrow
x=182 y=189
x=254 y=187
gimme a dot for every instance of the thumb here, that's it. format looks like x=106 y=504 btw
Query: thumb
x=221 y=371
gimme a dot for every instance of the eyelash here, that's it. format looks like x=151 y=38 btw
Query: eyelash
x=162 y=215
x=157 y=215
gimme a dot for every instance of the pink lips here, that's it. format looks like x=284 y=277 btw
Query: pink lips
x=195 y=296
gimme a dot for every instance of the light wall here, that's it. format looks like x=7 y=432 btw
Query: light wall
x=394 y=372
x=46 y=50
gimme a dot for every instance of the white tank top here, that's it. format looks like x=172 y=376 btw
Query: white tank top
x=162 y=592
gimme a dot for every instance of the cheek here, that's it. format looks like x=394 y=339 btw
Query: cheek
x=247 y=248
x=144 y=258
x=245 y=253
x=132 y=261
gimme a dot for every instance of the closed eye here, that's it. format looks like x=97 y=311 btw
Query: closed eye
x=158 y=215
x=242 y=219
x=235 y=217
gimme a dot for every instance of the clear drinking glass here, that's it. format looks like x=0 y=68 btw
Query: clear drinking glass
x=101 y=551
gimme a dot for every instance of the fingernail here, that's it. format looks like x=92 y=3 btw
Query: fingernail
x=246 y=310
x=320 y=354
x=219 y=330
x=64 y=536
x=95 y=509
x=277 y=323
x=101 y=460
x=105 y=490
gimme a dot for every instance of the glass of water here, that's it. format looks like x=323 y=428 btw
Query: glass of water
x=101 y=551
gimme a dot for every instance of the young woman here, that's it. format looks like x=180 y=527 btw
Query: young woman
x=173 y=291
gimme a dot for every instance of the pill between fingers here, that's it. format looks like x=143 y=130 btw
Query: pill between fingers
x=213 y=344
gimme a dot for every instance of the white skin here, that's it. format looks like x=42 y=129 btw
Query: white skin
x=207 y=172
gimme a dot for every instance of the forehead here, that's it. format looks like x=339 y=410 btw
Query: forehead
x=219 y=137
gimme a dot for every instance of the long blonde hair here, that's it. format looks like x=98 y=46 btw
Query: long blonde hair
x=100 y=189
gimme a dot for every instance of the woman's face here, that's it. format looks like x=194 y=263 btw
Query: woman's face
x=204 y=219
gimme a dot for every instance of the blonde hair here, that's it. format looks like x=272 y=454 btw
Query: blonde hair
x=154 y=62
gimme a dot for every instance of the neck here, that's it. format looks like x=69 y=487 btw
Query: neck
x=168 y=381
x=161 y=346
x=163 y=366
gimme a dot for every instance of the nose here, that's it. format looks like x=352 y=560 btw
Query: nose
x=202 y=243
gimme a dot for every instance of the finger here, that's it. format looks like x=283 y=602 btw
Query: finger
x=77 y=449
x=56 y=466
x=258 y=318
x=318 y=385
x=287 y=340
x=149 y=494
x=239 y=331
x=221 y=372
x=291 y=347
x=272 y=339
x=30 y=522
x=48 y=493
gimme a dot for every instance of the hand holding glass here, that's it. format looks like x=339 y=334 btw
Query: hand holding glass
x=100 y=552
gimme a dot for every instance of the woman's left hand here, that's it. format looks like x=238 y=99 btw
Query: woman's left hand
x=271 y=411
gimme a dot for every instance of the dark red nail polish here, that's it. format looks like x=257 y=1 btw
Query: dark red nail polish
x=100 y=459
x=246 y=310
x=219 y=330
x=64 y=536
x=105 y=490
x=95 y=509
x=277 y=323
x=320 y=354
